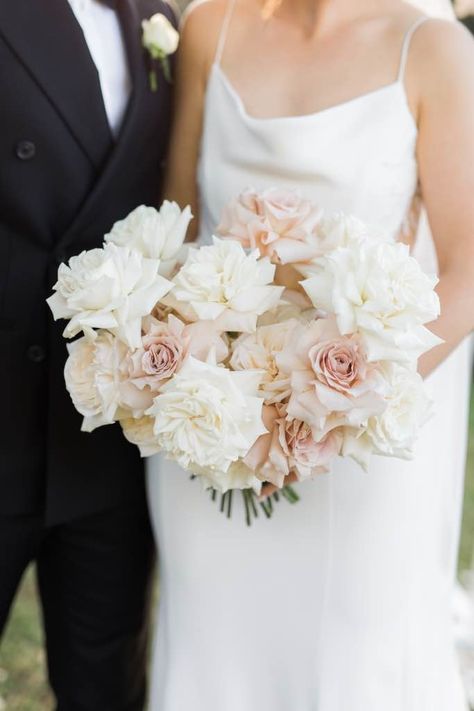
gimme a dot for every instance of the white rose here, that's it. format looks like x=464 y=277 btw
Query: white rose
x=140 y=432
x=112 y=288
x=380 y=291
x=258 y=351
x=159 y=36
x=339 y=230
x=237 y=476
x=156 y=234
x=96 y=375
x=220 y=282
x=208 y=417
x=394 y=432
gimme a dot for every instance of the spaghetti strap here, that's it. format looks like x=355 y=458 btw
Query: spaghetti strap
x=406 y=46
x=224 y=31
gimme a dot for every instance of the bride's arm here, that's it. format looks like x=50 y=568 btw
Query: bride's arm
x=200 y=28
x=444 y=57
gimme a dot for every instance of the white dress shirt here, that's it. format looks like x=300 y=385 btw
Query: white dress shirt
x=103 y=35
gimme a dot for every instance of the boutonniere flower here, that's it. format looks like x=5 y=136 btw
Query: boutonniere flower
x=161 y=40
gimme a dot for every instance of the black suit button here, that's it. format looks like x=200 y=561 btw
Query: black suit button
x=25 y=150
x=36 y=354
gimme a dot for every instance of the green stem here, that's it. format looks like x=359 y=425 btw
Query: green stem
x=290 y=494
x=165 y=63
x=265 y=509
x=252 y=502
x=294 y=495
x=245 y=494
x=153 y=81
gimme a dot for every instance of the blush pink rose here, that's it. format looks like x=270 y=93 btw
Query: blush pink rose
x=332 y=384
x=166 y=346
x=307 y=457
x=288 y=447
x=279 y=223
x=339 y=364
x=162 y=356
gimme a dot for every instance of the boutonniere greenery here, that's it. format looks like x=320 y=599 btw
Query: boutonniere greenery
x=161 y=40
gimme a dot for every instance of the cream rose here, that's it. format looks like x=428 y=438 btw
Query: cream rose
x=159 y=36
x=140 y=432
x=392 y=433
x=285 y=311
x=395 y=430
x=109 y=288
x=208 y=417
x=156 y=234
x=258 y=350
x=222 y=283
x=380 y=291
x=237 y=476
x=334 y=231
x=97 y=380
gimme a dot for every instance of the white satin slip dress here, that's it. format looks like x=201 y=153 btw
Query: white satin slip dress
x=341 y=602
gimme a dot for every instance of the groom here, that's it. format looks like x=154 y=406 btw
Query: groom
x=82 y=142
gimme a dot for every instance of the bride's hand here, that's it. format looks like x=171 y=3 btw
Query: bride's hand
x=270 y=489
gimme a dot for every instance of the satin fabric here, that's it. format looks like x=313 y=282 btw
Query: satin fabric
x=343 y=600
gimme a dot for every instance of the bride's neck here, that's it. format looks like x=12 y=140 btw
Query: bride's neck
x=315 y=15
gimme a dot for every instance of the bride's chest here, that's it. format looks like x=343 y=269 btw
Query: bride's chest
x=359 y=156
x=368 y=143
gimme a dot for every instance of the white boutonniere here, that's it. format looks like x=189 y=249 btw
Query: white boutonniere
x=161 y=40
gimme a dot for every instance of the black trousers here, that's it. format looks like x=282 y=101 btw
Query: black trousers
x=94 y=578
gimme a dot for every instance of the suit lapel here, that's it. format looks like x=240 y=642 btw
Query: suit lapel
x=136 y=112
x=49 y=42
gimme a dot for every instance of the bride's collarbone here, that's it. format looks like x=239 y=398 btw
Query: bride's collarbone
x=278 y=76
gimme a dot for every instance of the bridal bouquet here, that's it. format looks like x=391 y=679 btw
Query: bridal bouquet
x=292 y=339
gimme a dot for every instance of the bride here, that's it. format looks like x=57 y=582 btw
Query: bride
x=341 y=602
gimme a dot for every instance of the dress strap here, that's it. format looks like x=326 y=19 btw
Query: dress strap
x=224 y=30
x=406 y=46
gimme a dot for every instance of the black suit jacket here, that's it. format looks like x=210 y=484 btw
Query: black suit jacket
x=64 y=181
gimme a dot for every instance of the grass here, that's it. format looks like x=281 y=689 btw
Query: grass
x=467 y=539
x=22 y=663
x=22 y=660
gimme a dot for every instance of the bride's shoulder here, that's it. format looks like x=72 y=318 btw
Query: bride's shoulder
x=200 y=29
x=204 y=15
x=208 y=15
x=434 y=31
x=442 y=57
